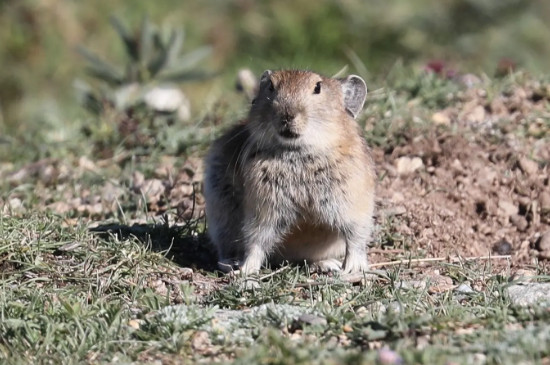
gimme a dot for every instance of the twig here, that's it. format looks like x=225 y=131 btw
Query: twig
x=439 y=259
x=380 y=250
x=358 y=277
x=347 y=278
x=273 y=273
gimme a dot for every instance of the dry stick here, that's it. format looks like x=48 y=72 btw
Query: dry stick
x=274 y=273
x=382 y=251
x=358 y=277
x=439 y=259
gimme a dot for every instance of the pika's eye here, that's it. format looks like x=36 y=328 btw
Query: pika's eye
x=317 y=89
x=271 y=88
x=253 y=101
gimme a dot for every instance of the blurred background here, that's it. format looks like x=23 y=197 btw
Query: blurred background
x=45 y=73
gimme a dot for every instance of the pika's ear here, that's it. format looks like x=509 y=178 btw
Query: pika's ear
x=355 y=93
x=265 y=77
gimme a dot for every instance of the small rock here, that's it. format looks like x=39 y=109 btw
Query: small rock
x=528 y=166
x=519 y=221
x=376 y=308
x=544 y=199
x=543 y=243
x=530 y=294
x=15 y=204
x=186 y=273
x=464 y=289
x=523 y=275
x=86 y=164
x=406 y=165
x=200 y=341
x=394 y=211
x=134 y=323
x=507 y=208
x=137 y=180
x=389 y=357
x=476 y=115
x=168 y=99
x=159 y=287
x=469 y=80
x=312 y=320
x=398 y=197
x=361 y=311
x=440 y=118
x=152 y=189
x=439 y=283
x=410 y=284
x=502 y=247
x=394 y=308
x=480 y=358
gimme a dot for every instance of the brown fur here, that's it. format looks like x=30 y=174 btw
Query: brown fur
x=296 y=182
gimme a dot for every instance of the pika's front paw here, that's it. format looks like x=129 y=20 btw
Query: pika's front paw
x=228 y=265
x=327 y=265
x=355 y=265
x=251 y=266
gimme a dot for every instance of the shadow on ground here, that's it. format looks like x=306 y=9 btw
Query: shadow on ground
x=186 y=250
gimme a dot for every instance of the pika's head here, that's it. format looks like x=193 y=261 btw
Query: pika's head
x=304 y=108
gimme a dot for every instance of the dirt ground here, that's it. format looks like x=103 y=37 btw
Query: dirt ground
x=480 y=190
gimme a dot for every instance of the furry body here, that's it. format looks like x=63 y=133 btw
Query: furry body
x=296 y=181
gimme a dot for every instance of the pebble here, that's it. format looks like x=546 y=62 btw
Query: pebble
x=528 y=166
x=502 y=247
x=394 y=307
x=544 y=202
x=200 y=341
x=529 y=294
x=519 y=221
x=507 y=208
x=440 y=118
x=464 y=289
x=312 y=320
x=523 y=275
x=406 y=165
x=389 y=357
x=186 y=273
x=543 y=243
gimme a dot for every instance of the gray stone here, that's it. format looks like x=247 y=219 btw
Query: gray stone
x=530 y=294
x=312 y=320
x=528 y=166
x=406 y=165
x=394 y=307
x=507 y=208
x=543 y=243
x=464 y=289
x=520 y=222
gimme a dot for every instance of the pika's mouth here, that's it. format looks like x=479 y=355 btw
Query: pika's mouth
x=289 y=134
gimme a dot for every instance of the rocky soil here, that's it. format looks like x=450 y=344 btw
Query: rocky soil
x=473 y=181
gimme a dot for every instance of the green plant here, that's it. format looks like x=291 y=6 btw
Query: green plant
x=134 y=100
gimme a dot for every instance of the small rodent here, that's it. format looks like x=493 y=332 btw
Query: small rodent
x=296 y=181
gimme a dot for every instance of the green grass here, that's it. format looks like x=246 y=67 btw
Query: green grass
x=69 y=296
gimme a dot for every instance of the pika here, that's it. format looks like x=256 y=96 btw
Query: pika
x=296 y=181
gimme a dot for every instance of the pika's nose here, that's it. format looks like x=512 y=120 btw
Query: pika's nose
x=286 y=119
